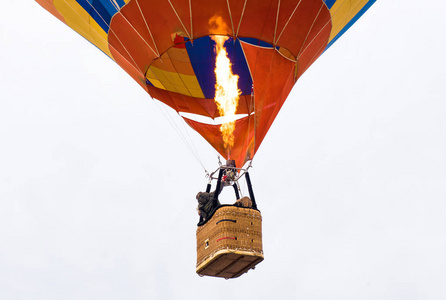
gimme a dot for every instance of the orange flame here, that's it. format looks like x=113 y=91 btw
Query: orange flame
x=226 y=91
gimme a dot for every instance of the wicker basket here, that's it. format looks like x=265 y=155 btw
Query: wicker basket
x=230 y=243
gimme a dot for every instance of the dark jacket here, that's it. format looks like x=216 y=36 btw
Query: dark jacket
x=206 y=204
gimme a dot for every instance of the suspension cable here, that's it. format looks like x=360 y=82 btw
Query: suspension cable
x=188 y=143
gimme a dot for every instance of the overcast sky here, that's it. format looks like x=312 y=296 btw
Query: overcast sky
x=97 y=190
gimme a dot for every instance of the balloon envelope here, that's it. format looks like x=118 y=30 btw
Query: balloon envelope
x=165 y=46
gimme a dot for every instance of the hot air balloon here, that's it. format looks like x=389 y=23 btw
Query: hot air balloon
x=174 y=48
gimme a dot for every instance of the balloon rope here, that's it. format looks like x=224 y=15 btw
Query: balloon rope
x=277 y=20
x=230 y=16
x=148 y=29
x=155 y=52
x=134 y=65
x=156 y=48
x=168 y=117
x=180 y=134
x=286 y=24
x=328 y=22
x=323 y=46
x=179 y=19
x=191 y=23
x=309 y=31
x=110 y=30
x=241 y=18
x=192 y=145
x=113 y=2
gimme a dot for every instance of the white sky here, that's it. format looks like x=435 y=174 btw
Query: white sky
x=97 y=191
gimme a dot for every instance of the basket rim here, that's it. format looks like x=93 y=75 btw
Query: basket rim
x=223 y=205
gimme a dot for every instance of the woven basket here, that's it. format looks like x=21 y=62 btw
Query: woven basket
x=230 y=243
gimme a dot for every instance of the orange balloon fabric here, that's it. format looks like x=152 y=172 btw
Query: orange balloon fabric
x=166 y=47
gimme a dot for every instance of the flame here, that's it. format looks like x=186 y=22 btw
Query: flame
x=226 y=91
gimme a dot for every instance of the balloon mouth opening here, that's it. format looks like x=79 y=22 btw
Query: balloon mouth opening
x=192 y=62
x=214 y=121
